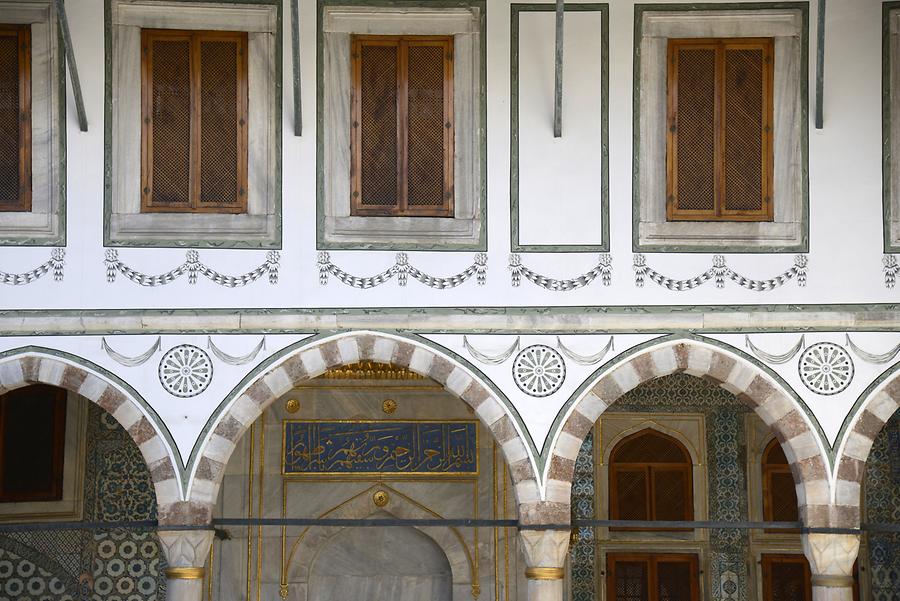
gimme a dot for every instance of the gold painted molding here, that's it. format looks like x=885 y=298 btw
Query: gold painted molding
x=545 y=573
x=185 y=573
x=370 y=370
x=832 y=581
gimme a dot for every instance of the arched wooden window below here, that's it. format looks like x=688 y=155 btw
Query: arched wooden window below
x=650 y=478
x=32 y=444
x=779 y=492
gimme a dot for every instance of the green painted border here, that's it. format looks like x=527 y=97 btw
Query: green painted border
x=321 y=243
x=158 y=423
x=886 y=120
x=639 y=11
x=60 y=238
x=274 y=243
x=592 y=380
x=860 y=312
x=296 y=347
x=516 y=9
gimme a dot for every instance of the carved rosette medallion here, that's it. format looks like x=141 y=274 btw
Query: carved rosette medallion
x=826 y=368
x=539 y=370
x=185 y=371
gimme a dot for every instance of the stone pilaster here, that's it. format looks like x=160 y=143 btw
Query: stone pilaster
x=545 y=559
x=186 y=553
x=831 y=558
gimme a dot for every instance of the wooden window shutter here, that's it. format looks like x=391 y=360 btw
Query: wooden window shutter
x=657 y=577
x=402 y=131
x=15 y=118
x=719 y=139
x=195 y=111
x=786 y=578
x=32 y=444
x=779 y=492
x=676 y=580
x=650 y=479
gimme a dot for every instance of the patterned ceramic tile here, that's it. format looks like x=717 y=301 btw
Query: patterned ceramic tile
x=726 y=450
x=102 y=565
x=882 y=506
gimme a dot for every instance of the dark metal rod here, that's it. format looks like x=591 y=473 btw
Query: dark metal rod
x=368 y=523
x=450 y=522
x=558 y=89
x=70 y=61
x=295 y=53
x=820 y=66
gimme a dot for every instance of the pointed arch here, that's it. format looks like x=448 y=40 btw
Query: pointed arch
x=869 y=415
x=303 y=552
x=37 y=365
x=748 y=382
x=317 y=356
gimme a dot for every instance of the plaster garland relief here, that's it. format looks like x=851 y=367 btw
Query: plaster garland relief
x=719 y=272
x=193 y=267
x=402 y=270
x=54 y=264
x=603 y=270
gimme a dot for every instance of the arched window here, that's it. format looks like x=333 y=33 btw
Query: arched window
x=650 y=478
x=32 y=444
x=779 y=493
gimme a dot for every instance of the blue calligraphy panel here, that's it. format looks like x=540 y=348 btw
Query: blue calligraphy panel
x=380 y=447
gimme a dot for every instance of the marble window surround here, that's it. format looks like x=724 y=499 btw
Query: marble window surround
x=788 y=230
x=45 y=222
x=125 y=224
x=687 y=428
x=70 y=506
x=892 y=119
x=337 y=228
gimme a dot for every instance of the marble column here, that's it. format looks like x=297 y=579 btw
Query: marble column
x=831 y=558
x=545 y=560
x=186 y=553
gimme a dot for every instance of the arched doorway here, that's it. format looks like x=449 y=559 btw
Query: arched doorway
x=380 y=564
x=366 y=441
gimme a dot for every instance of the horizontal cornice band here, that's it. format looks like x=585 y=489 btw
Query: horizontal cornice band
x=514 y=320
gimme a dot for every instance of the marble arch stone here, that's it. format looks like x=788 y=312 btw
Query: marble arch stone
x=750 y=384
x=873 y=412
x=36 y=367
x=313 y=360
x=361 y=507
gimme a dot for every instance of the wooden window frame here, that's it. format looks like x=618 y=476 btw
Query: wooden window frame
x=23 y=33
x=651 y=560
x=768 y=559
x=242 y=101
x=401 y=209
x=649 y=469
x=719 y=213
x=59 y=449
x=767 y=470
